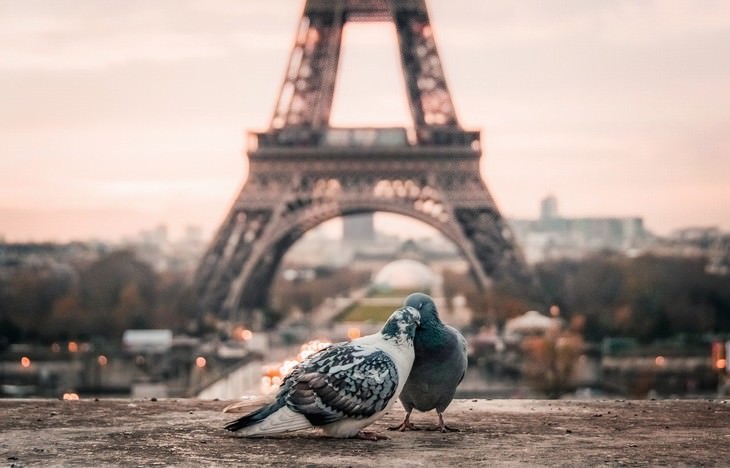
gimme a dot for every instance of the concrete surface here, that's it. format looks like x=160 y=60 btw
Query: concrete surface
x=493 y=433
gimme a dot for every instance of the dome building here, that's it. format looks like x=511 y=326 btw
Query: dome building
x=405 y=274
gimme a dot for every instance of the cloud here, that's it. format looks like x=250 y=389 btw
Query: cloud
x=654 y=22
x=115 y=50
x=497 y=24
x=86 y=36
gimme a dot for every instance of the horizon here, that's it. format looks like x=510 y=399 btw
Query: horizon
x=385 y=223
x=121 y=117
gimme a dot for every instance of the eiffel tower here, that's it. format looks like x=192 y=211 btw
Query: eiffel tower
x=303 y=172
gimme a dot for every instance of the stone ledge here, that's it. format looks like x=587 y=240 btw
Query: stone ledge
x=493 y=433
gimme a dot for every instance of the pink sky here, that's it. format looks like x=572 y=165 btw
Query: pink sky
x=118 y=116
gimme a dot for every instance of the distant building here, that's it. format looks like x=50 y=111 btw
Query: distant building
x=148 y=341
x=405 y=274
x=358 y=228
x=553 y=236
x=549 y=207
x=438 y=255
x=156 y=247
x=706 y=242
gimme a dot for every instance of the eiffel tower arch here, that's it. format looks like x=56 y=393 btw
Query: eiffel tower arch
x=303 y=172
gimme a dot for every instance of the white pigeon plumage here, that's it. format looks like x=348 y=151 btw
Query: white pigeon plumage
x=342 y=388
x=439 y=366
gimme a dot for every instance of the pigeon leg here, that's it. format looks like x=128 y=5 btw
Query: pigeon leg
x=443 y=427
x=405 y=425
x=369 y=435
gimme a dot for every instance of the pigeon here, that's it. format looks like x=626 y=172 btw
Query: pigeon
x=439 y=367
x=342 y=388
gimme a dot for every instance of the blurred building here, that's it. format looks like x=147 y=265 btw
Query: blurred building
x=363 y=248
x=358 y=228
x=166 y=254
x=553 y=236
x=58 y=259
x=705 y=242
x=405 y=274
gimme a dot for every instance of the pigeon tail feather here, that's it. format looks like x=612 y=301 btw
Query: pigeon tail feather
x=253 y=417
x=271 y=419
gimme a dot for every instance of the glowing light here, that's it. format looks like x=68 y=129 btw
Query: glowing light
x=200 y=362
x=25 y=362
x=286 y=367
x=271 y=370
x=311 y=347
x=353 y=333
x=70 y=396
x=660 y=361
x=273 y=374
x=73 y=347
x=102 y=360
x=237 y=333
x=720 y=363
x=240 y=333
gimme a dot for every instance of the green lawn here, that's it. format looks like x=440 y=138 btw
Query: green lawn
x=375 y=313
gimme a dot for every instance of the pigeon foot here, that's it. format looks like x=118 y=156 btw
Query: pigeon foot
x=443 y=427
x=404 y=426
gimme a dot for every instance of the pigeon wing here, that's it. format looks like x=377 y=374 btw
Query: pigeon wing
x=342 y=382
x=461 y=351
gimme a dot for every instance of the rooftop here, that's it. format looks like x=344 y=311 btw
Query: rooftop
x=493 y=433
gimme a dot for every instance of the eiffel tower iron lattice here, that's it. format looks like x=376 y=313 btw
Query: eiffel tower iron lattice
x=303 y=172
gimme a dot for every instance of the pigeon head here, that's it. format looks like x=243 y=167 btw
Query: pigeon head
x=425 y=305
x=402 y=324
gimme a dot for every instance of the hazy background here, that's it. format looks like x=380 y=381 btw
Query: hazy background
x=119 y=115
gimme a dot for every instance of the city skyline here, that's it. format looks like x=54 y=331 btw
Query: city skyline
x=124 y=115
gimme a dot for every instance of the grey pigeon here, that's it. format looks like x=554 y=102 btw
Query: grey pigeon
x=439 y=367
x=342 y=388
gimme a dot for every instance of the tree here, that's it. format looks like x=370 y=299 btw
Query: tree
x=118 y=292
x=647 y=297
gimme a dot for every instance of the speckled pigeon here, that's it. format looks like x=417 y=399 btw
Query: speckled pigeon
x=342 y=388
x=439 y=367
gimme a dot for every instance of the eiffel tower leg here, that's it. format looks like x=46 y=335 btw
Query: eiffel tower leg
x=220 y=270
x=492 y=242
x=272 y=212
x=488 y=241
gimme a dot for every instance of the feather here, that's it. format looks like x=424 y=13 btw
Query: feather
x=342 y=388
x=439 y=366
